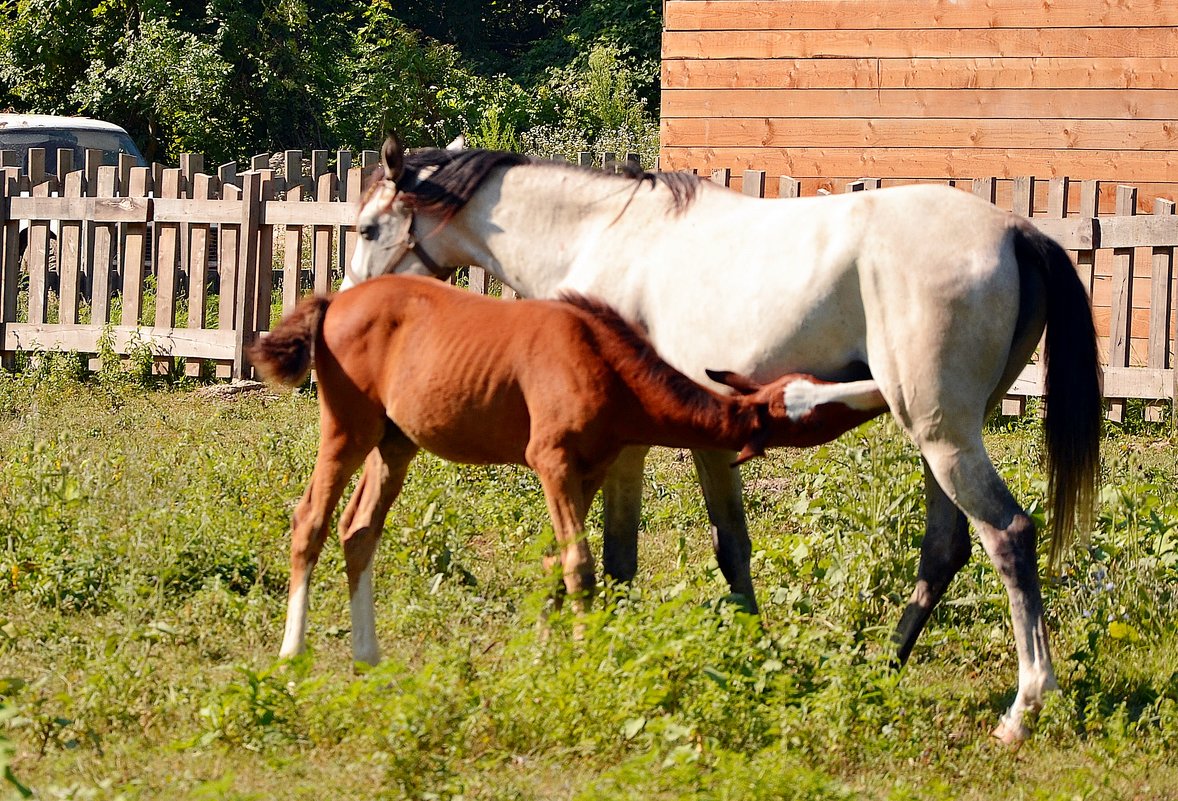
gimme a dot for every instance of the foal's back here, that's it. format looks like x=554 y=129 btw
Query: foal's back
x=462 y=375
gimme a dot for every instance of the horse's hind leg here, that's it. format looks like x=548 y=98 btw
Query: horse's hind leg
x=730 y=536
x=360 y=528
x=623 y=512
x=339 y=456
x=1008 y=535
x=943 y=552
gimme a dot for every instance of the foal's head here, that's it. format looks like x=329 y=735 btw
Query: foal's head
x=403 y=214
x=800 y=428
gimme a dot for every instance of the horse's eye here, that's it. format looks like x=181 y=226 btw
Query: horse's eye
x=370 y=231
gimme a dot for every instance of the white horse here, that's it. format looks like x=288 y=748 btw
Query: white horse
x=938 y=296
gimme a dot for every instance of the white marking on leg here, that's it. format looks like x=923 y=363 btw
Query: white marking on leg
x=800 y=398
x=294 y=638
x=364 y=645
x=1036 y=678
x=803 y=396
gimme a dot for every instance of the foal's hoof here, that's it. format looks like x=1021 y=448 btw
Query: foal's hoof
x=1011 y=733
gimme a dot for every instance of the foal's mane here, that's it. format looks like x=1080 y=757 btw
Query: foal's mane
x=631 y=354
x=451 y=177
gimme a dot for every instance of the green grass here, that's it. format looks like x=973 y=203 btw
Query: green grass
x=142 y=593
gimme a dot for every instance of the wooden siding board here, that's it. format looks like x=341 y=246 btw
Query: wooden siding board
x=904 y=14
x=1021 y=43
x=1053 y=134
x=1018 y=104
x=930 y=163
x=922 y=73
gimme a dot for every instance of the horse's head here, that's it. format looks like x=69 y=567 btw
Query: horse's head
x=390 y=226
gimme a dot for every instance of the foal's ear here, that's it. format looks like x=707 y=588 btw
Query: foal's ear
x=459 y=143
x=392 y=157
x=742 y=384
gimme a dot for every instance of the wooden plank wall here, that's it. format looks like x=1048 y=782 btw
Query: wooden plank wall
x=828 y=91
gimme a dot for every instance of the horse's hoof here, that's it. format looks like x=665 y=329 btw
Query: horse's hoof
x=1010 y=733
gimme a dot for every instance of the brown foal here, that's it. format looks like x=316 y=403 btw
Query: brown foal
x=405 y=363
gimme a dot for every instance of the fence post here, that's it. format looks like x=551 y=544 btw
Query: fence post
x=43 y=185
x=788 y=187
x=198 y=264
x=984 y=188
x=1161 y=305
x=1024 y=196
x=9 y=258
x=1120 y=325
x=327 y=189
x=344 y=238
x=753 y=183
x=265 y=274
x=348 y=235
x=134 y=250
x=1089 y=208
x=292 y=248
x=71 y=251
x=105 y=240
x=167 y=257
x=245 y=311
x=227 y=175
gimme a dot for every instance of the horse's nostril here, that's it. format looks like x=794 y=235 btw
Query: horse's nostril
x=370 y=231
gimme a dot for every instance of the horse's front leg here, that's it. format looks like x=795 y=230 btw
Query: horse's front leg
x=720 y=482
x=623 y=513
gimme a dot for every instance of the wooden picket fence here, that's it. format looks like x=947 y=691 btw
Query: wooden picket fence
x=81 y=250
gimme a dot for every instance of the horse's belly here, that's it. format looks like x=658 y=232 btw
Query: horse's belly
x=462 y=430
x=764 y=340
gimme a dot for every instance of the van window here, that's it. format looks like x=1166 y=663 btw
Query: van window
x=111 y=143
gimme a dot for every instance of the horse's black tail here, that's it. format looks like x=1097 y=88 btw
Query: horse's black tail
x=1072 y=380
x=284 y=356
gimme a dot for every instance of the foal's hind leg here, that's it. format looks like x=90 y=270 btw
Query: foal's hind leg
x=361 y=526
x=338 y=458
x=943 y=552
x=720 y=482
x=1008 y=535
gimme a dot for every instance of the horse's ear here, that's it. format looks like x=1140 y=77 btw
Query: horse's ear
x=750 y=451
x=742 y=384
x=459 y=143
x=392 y=156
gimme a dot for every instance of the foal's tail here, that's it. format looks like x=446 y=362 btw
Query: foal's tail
x=1072 y=384
x=284 y=356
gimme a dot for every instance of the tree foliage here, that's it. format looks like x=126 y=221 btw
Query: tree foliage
x=233 y=78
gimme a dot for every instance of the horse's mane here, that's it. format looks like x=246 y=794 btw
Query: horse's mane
x=682 y=185
x=443 y=181
x=451 y=176
x=630 y=353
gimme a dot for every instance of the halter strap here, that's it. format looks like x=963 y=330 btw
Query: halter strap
x=407 y=242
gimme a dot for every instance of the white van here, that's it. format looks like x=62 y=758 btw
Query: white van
x=20 y=132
